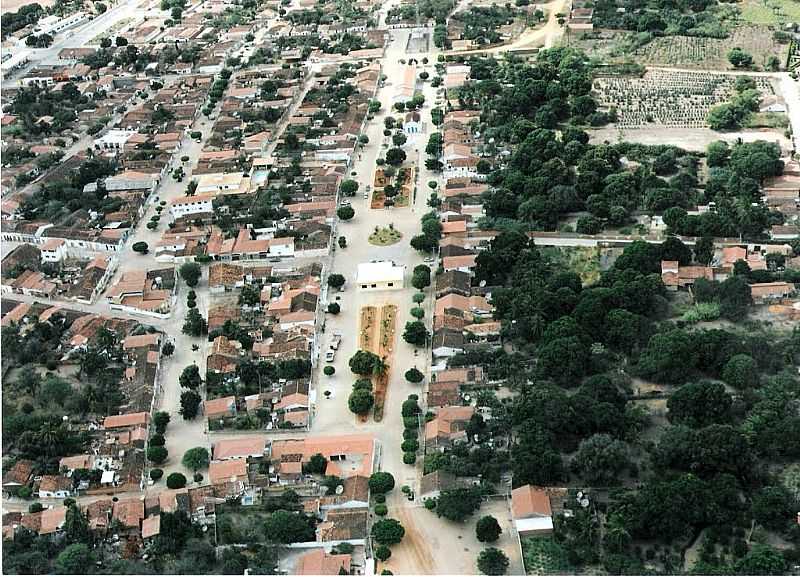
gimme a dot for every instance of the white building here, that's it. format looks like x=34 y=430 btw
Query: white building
x=53 y=250
x=114 y=139
x=53 y=24
x=219 y=182
x=197 y=204
x=379 y=276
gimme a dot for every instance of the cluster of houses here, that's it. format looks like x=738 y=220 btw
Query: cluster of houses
x=47 y=271
x=678 y=277
x=241 y=469
x=280 y=318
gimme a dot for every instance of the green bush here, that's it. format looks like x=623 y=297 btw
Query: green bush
x=410 y=446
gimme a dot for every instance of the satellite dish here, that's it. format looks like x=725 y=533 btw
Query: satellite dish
x=339 y=489
x=579 y=495
x=584 y=503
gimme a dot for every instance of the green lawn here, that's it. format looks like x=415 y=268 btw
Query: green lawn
x=385 y=237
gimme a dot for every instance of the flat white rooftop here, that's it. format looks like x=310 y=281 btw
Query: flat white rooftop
x=382 y=271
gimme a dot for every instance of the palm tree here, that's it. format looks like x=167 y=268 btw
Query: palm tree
x=617 y=535
x=379 y=367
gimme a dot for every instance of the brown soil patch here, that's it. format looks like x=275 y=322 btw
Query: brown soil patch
x=377 y=333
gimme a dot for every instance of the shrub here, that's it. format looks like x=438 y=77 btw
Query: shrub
x=381 y=510
x=176 y=481
x=329 y=370
x=410 y=445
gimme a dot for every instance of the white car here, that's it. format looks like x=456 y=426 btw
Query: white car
x=330 y=355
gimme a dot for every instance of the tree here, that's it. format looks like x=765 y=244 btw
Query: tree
x=156 y=474
x=704 y=250
x=395 y=156
x=741 y=372
x=157 y=454
x=168 y=349
x=121 y=41
x=399 y=139
x=288 y=527
x=388 y=531
x=360 y=401
x=600 y=459
x=317 y=464
x=381 y=482
x=140 y=247
x=699 y=404
x=417 y=312
x=761 y=560
x=329 y=370
x=195 y=325
x=421 y=277
x=334 y=308
x=382 y=552
x=416 y=333
x=336 y=280
x=414 y=375
x=190 y=273
x=345 y=212
x=348 y=187
x=739 y=58
x=196 y=458
x=75 y=559
x=734 y=298
x=190 y=377
x=458 y=504
x=774 y=507
x=363 y=362
x=492 y=561
x=76 y=526
x=176 y=481
x=487 y=529
x=190 y=405
x=160 y=421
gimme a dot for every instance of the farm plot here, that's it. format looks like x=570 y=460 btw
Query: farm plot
x=668 y=97
x=711 y=53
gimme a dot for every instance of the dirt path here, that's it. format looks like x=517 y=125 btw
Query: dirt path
x=544 y=36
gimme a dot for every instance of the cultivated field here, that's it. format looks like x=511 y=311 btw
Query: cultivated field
x=712 y=53
x=668 y=97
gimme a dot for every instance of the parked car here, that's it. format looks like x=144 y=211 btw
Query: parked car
x=330 y=355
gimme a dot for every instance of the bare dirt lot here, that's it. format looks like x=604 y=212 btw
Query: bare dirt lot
x=686 y=138
x=434 y=546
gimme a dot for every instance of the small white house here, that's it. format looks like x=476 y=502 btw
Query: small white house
x=379 y=276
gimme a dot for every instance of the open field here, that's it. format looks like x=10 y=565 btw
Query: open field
x=770 y=11
x=14 y=5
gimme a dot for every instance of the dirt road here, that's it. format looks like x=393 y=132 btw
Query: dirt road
x=544 y=36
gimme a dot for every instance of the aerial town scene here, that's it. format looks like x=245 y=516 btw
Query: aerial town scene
x=400 y=287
